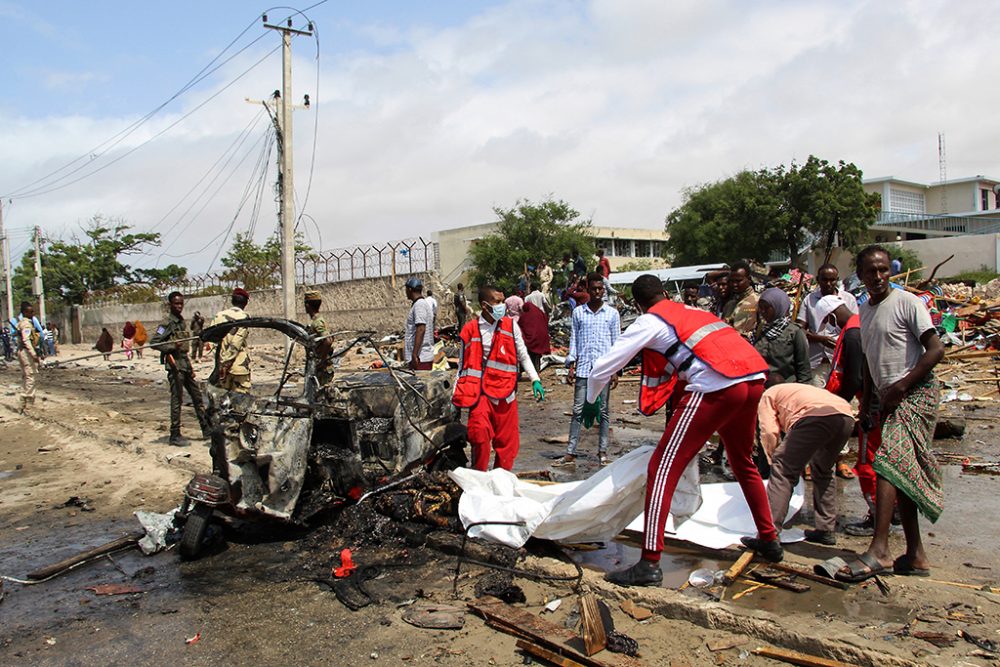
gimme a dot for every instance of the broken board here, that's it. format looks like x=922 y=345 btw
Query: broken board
x=525 y=625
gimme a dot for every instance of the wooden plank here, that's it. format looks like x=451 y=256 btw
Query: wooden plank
x=797 y=658
x=594 y=636
x=737 y=568
x=811 y=576
x=72 y=561
x=781 y=581
x=546 y=654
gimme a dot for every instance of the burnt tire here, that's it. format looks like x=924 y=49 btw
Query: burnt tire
x=195 y=528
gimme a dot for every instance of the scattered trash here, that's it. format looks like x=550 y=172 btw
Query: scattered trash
x=704 y=577
x=987 y=645
x=725 y=643
x=347 y=565
x=193 y=640
x=635 y=611
x=622 y=643
x=552 y=606
x=79 y=501
x=48 y=448
x=114 y=589
x=435 y=617
x=629 y=401
x=51 y=641
x=161 y=530
x=939 y=639
x=797 y=657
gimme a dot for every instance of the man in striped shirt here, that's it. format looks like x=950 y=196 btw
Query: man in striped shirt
x=596 y=327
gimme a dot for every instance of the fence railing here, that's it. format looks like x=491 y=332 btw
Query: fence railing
x=395 y=258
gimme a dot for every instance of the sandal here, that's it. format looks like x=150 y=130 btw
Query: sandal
x=845 y=471
x=604 y=460
x=903 y=566
x=861 y=568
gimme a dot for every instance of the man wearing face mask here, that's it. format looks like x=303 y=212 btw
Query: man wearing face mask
x=492 y=347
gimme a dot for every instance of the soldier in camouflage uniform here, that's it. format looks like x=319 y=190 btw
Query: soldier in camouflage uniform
x=170 y=339
x=318 y=328
x=232 y=361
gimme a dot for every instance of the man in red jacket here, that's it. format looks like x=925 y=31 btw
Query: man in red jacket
x=492 y=347
x=715 y=378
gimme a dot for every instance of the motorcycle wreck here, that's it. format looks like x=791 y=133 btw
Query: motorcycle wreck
x=290 y=457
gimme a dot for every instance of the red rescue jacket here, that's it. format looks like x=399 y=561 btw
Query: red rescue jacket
x=836 y=378
x=495 y=377
x=709 y=339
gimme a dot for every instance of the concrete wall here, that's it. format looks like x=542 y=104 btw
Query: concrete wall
x=972 y=252
x=371 y=303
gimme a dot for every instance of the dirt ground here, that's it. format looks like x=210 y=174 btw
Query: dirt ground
x=95 y=450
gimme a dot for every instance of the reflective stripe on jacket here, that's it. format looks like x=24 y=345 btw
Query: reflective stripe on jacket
x=707 y=338
x=497 y=377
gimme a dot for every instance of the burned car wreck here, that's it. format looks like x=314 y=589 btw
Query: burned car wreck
x=303 y=449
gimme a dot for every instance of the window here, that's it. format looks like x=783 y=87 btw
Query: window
x=622 y=248
x=643 y=249
x=904 y=201
x=984 y=199
x=607 y=244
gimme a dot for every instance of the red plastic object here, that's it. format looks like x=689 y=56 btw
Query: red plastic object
x=193 y=640
x=346 y=565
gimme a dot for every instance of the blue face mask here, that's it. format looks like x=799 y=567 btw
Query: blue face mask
x=499 y=310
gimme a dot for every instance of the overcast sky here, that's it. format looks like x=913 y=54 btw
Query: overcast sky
x=430 y=114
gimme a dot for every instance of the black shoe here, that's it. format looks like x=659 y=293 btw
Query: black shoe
x=177 y=441
x=643 y=573
x=864 y=528
x=768 y=550
x=821 y=537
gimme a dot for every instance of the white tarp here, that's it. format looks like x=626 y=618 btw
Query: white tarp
x=600 y=507
x=593 y=510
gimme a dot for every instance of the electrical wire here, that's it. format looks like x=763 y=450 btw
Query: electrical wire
x=209 y=200
x=103 y=147
x=246 y=130
x=44 y=191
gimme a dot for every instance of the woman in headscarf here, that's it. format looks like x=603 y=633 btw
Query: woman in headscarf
x=105 y=343
x=128 y=339
x=782 y=344
x=141 y=337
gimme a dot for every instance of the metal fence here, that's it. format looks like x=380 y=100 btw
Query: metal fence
x=395 y=258
x=368 y=261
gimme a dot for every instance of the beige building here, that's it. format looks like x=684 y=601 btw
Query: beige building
x=623 y=245
x=913 y=211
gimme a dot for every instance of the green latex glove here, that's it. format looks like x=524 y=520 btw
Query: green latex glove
x=538 y=390
x=591 y=413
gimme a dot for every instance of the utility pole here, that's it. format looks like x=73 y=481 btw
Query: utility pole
x=285 y=179
x=5 y=251
x=39 y=286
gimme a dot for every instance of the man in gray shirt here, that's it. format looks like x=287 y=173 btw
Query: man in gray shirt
x=901 y=348
x=419 y=334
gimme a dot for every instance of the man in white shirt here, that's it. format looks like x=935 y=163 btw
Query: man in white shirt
x=817 y=319
x=719 y=380
x=419 y=332
x=537 y=298
x=487 y=381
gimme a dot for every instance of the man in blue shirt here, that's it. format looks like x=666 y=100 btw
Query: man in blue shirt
x=596 y=327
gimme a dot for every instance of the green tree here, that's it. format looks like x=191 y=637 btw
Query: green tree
x=74 y=268
x=255 y=265
x=755 y=213
x=170 y=274
x=526 y=234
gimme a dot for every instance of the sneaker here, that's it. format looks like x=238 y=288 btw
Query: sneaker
x=864 y=528
x=768 y=550
x=568 y=460
x=603 y=460
x=821 y=537
x=643 y=573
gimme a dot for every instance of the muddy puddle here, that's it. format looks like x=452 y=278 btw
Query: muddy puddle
x=862 y=604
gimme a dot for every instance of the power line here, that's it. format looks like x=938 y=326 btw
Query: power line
x=36 y=193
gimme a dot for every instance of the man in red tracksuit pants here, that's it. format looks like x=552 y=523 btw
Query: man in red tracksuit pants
x=716 y=379
x=492 y=347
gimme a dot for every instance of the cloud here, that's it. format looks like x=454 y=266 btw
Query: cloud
x=613 y=106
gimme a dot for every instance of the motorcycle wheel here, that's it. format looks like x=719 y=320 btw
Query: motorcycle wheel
x=193 y=536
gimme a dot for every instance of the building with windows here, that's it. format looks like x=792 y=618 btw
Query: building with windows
x=624 y=246
x=912 y=211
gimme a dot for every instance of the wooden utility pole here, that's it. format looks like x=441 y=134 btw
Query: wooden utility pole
x=285 y=179
x=5 y=252
x=39 y=286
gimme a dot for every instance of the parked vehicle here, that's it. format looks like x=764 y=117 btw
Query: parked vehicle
x=288 y=457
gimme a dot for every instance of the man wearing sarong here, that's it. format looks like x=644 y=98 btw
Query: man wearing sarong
x=901 y=348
